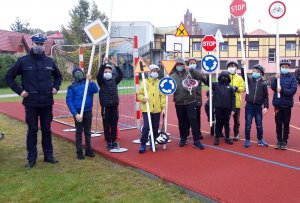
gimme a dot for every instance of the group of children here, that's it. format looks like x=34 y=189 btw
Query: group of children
x=226 y=101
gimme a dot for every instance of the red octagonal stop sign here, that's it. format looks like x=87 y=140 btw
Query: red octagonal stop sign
x=209 y=43
x=238 y=8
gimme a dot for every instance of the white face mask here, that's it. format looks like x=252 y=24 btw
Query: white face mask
x=194 y=66
x=154 y=75
x=107 y=76
x=231 y=70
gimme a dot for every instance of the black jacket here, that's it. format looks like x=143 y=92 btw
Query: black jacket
x=108 y=93
x=39 y=75
x=223 y=96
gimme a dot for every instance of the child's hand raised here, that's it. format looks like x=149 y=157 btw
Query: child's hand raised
x=89 y=77
x=113 y=61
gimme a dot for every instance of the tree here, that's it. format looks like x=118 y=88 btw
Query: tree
x=81 y=15
x=20 y=26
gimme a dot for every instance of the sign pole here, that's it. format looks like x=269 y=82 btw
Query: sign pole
x=210 y=100
x=147 y=107
x=277 y=55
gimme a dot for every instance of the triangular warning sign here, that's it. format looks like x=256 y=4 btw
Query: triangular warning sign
x=168 y=65
x=141 y=66
x=181 y=31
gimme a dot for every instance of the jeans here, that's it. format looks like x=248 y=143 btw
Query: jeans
x=155 y=117
x=255 y=111
x=85 y=126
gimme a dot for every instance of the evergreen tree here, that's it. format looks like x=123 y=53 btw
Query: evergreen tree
x=19 y=26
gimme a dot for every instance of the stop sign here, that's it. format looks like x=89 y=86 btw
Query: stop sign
x=209 y=43
x=238 y=8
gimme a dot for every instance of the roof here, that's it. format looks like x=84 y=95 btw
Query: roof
x=212 y=28
x=10 y=41
x=56 y=35
x=259 y=32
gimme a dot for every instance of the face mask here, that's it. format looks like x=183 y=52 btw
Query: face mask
x=284 y=70
x=107 y=76
x=231 y=70
x=194 y=66
x=78 y=76
x=38 y=49
x=179 y=68
x=154 y=74
x=255 y=75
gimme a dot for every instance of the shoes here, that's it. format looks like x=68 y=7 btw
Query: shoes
x=216 y=142
x=278 y=145
x=143 y=148
x=80 y=156
x=114 y=145
x=89 y=153
x=198 y=145
x=30 y=164
x=109 y=146
x=51 y=160
x=236 y=137
x=284 y=146
x=182 y=142
x=263 y=143
x=247 y=143
x=228 y=141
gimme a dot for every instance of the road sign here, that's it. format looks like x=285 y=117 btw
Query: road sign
x=168 y=65
x=96 y=31
x=167 y=86
x=181 y=31
x=219 y=36
x=209 y=63
x=238 y=8
x=138 y=68
x=209 y=43
x=277 y=9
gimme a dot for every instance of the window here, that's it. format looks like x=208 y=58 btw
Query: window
x=223 y=65
x=240 y=47
x=196 y=46
x=253 y=63
x=253 y=46
x=290 y=45
x=272 y=55
x=293 y=64
x=224 y=46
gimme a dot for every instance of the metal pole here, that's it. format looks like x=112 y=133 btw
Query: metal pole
x=210 y=99
x=277 y=55
x=243 y=54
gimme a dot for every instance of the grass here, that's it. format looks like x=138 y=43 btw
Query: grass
x=71 y=180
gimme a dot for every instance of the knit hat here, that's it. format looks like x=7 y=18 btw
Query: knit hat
x=78 y=74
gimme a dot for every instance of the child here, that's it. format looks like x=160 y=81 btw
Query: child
x=258 y=96
x=109 y=100
x=284 y=104
x=157 y=104
x=74 y=100
x=224 y=104
x=238 y=85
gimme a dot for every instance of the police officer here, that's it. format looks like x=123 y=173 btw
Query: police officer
x=40 y=80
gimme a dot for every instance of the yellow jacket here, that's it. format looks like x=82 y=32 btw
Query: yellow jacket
x=238 y=81
x=157 y=100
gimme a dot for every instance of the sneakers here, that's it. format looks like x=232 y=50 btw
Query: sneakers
x=216 y=142
x=89 y=153
x=247 y=143
x=182 y=143
x=30 y=164
x=114 y=145
x=278 y=145
x=284 y=146
x=143 y=148
x=108 y=146
x=263 y=143
x=228 y=141
x=80 y=156
x=198 y=145
x=51 y=160
x=236 y=137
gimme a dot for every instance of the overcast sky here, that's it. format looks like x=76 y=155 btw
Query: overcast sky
x=51 y=14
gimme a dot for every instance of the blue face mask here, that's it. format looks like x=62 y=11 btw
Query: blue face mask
x=255 y=75
x=284 y=70
x=194 y=66
x=179 y=68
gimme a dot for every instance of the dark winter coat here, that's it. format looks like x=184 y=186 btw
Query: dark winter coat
x=223 y=96
x=39 y=75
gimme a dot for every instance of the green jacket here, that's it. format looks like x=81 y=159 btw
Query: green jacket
x=157 y=100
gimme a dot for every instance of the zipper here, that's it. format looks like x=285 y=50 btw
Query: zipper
x=255 y=90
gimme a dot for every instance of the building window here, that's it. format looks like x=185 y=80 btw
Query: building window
x=240 y=47
x=272 y=55
x=196 y=46
x=293 y=64
x=223 y=65
x=290 y=45
x=224 y=46
x=253 y=63
x=253 y=46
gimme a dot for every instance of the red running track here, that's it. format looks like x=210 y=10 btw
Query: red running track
x=224 y=173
